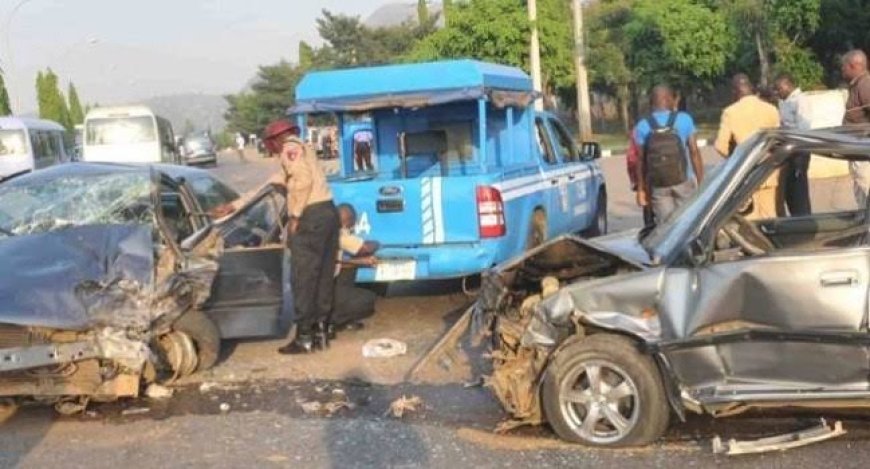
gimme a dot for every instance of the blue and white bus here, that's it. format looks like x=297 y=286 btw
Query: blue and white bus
x=466 y=173
x=29 y=144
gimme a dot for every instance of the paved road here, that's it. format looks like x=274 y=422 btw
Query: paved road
x=281 y=409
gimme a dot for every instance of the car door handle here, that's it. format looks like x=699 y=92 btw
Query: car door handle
x=554 y=181
x=571 y=177
x=843 y=278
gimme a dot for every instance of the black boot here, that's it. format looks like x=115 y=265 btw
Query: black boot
x=323 y=333
x=302 y=344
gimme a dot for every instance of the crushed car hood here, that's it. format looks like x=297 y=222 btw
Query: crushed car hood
x=100 y=276
x=75 y=278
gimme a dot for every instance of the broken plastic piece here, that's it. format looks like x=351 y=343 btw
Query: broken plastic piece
x=781 y=442
x=384 y=348
x=156 y=391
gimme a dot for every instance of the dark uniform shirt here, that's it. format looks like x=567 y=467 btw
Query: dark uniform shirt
x=858 y=104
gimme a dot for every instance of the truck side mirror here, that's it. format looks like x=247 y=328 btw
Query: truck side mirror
x=590 y=150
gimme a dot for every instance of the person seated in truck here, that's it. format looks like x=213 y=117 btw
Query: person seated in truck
x=362 y=150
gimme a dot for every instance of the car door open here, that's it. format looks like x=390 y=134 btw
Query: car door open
x=251 y=295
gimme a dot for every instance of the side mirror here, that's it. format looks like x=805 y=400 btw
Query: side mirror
x=590 y=150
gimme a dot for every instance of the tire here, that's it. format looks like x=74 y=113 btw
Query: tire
x=624 y=370
x=599 y=224
x=205 y=335
x=537 y=229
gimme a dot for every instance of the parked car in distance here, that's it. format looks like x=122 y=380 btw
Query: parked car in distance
x=606 y=339
x=198 y=149
x=128 y=280
x=28 y=144
x=128 y=135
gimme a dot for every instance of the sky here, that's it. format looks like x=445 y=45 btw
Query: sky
x=120 y=51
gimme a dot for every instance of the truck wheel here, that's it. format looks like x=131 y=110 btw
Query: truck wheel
x=537 y=230
x=205 y=335
x=599 y=224
x=601 y=391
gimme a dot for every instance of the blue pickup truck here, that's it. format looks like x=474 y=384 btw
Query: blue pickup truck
x=465 y=173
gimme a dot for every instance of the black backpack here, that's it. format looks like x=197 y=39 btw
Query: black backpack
x=664 y=154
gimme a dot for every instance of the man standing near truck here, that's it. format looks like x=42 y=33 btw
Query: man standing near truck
x=854 y=70
x=793 y=179
x=747 y=115
x=669 y=168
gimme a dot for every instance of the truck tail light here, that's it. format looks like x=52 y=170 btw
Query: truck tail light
x=490 y=212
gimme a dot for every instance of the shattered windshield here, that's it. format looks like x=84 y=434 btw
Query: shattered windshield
x=12 y=142
x=41 y=206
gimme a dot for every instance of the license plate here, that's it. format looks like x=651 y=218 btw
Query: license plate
x=387 y=271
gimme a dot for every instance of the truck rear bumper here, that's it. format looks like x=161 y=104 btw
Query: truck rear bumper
x=431 y=263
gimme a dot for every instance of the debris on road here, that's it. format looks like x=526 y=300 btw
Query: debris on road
x=224 y=407
x=310 y=407
x=135 y=411
x=209 y=386
x=384 y=348
x=402 y=405
x=784 y=442
x=156 y=391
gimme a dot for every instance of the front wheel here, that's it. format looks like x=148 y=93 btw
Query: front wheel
x=601 y=391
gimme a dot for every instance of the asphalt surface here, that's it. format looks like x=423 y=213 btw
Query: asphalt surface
x=257 y=409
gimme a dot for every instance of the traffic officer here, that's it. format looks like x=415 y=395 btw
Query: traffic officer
x=312 y=235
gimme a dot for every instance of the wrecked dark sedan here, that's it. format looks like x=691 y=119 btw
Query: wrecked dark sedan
x=711 y=312
x=114 y=277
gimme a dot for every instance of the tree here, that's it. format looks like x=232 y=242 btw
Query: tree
x=608 y=47
x=272 y=92
x=777 y=31
x=5 y=105
x=498 y=31
x=681 y=42
x=422 y=12
x=76 y=113
x=446 y=6
x=350 y=43
x=52 y=105
x=306 y=55
x=842 y=26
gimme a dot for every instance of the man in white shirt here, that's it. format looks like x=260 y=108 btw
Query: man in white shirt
x=793 y=181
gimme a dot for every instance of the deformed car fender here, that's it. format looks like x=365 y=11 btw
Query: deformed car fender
x=577 y=304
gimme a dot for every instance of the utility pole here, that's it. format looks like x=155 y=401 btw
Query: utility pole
x=584 y=114
x=535 y=53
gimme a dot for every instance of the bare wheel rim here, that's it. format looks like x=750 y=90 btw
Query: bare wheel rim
x=599 y=401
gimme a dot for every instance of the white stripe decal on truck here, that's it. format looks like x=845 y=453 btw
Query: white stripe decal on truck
x=438 y=210
x=426 y=211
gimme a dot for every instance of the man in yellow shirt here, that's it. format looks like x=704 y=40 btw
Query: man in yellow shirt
x=741 y=120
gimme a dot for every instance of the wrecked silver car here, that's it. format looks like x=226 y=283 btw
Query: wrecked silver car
x=113 y=276
x=606 y=339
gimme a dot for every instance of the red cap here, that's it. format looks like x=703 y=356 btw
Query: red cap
x=276 y=129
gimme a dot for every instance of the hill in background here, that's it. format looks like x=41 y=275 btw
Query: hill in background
x=396 y=14
x=203 y=111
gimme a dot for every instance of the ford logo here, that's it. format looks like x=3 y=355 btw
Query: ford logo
x=390 y=191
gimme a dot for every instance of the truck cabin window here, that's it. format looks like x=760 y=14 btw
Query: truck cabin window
x=544 y=146
x=435 y=151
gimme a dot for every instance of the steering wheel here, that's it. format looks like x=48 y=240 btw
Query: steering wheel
x=748 y=236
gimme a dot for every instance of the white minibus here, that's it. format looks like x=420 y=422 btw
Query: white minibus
x=131 y=134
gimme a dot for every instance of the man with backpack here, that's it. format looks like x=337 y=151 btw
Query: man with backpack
x=669 y=168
